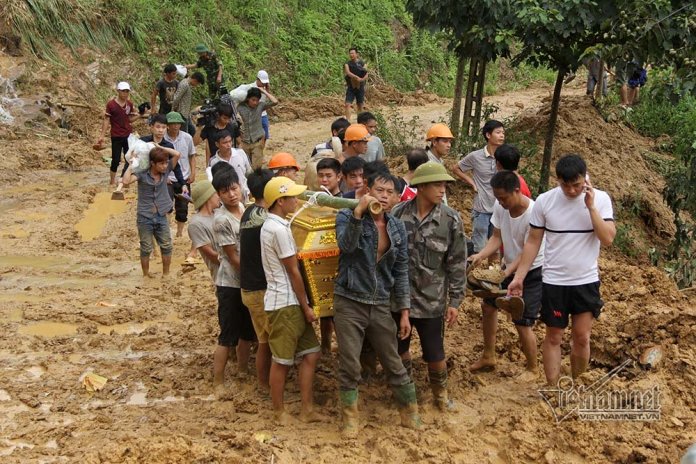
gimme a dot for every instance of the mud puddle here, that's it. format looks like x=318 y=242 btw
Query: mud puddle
x=37 y=262
x=7 y=297
x=50 y=329
x=98 y=213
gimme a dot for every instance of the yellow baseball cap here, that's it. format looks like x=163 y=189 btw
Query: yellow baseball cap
x=280 y=187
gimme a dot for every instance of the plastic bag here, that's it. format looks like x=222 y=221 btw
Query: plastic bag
x=181 y=70
x=138 y=155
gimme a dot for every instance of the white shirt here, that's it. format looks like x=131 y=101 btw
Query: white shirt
x=184 y=145
x=572 y=248
x=514 y=232
x=277 y=243
x=240 y=162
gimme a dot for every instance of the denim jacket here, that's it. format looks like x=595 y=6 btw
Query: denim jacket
x=363 y=278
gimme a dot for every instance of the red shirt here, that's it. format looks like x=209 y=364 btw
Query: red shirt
x=119 y=117
x=409 y=193
x=524 y=188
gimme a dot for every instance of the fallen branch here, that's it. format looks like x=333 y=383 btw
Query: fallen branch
x=79 y=105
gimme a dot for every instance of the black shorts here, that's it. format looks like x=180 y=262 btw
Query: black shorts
x=558 y=302
x=431 y=332
x=355 y=94
x=531 y=295
x=234 y=317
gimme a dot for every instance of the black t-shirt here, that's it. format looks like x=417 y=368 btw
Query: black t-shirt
x=166 y=94
x=210 y=133
x=357 y=68
x=253 y=277
x=177 y=170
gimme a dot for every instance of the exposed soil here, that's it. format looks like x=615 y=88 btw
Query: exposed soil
x=69 y=306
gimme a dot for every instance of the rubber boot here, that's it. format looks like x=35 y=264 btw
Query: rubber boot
x=349 y=406
x=408 y=406
x=438 y=385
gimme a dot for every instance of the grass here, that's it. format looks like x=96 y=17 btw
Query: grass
x=303 y=43
x=72 y=22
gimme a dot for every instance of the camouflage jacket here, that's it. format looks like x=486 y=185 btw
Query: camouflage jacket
x=437 y=258
x=210 y=65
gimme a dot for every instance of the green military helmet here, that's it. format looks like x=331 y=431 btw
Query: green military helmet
x=175 y=118
x=430 y=172
x=201 y=48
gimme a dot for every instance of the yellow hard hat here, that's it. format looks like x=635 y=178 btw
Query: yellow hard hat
x=356 y=133
x=280 y=187
x=283 y=160
x=439 y=131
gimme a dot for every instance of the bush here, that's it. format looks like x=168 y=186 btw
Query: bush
x=664 y=112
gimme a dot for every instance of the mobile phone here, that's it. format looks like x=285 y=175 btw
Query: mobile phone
x=586 y=187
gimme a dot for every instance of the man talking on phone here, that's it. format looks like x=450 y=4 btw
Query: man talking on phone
x=576 y=220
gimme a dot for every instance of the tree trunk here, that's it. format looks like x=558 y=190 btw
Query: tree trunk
x=457 y=103
x=474 y=96
x=599 y=94
x=548 y=143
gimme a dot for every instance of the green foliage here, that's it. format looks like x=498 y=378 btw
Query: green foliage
x=73 y=22
x=397 y=133
x=302 y=43
x=477 y=28
x=660 y=115
x=624 y=240
x=466 y=143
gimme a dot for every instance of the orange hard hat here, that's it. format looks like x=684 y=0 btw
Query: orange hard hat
x=283 y=160
x=356 y=133
x=439 y=131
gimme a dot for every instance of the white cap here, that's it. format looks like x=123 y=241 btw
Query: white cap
x=263 y=77
x=123 y=86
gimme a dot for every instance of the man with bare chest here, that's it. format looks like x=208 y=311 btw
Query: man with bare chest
x=372 y=266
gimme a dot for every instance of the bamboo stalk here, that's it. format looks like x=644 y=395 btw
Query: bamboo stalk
x=339 y=203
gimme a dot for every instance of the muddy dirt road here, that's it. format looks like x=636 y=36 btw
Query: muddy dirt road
x=72 y=301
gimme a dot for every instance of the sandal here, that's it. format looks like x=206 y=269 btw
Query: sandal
x=512 y=304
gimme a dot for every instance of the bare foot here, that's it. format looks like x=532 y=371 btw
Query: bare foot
x=528 y=376
x=312 y=416
x=282 y=418
x=484 y=364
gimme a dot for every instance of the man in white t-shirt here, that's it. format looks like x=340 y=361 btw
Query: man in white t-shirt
x=575 y=219
x=290 y=317
x=511 y=214
x=235 y=157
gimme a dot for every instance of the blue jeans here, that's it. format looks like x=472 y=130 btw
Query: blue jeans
x=157 y=227
x=266 y=127
x=482 y=229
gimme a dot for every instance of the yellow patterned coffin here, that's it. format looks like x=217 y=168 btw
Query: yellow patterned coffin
x=314 y=230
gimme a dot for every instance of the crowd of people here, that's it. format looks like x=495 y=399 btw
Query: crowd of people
x=403 y=265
